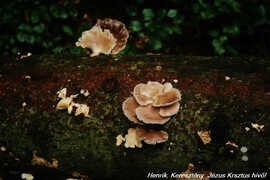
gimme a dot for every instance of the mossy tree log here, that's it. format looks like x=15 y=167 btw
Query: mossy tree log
x=222 y=95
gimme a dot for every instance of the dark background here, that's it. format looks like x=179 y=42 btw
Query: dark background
x=194 y=27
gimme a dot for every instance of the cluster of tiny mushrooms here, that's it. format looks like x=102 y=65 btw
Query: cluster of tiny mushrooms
x=151 y=103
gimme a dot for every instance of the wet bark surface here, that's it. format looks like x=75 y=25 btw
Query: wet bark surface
x=224 y=96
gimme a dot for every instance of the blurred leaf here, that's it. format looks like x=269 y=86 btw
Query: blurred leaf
x=25 y=27
x=39 y=28
x=261 y=10
x=218 y=46
x=178 y=19
x=218 y=2
x=220 y=50
x=216 y=43
x=231 y=50
x=161 y=14
x=21 y=37
x=223 y=38
x=67 y=30
x=135 y=25
x=236 y=6
x=58 y=50
x=15 y=50
x=131 y=10
x=63 y=15
x=73 y=13
x=231 y=29
x=156 y=44
x=34 y=17
x=75 y=50
x=58 y=12
x=207 y=14
x=148 y=14
x=151 y=26
x=214 y=33
x=172 y=13
x=176 y=30
x=30 y=38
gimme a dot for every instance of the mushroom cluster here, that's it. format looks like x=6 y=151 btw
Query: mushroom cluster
x=108 y=36
x=151 y=103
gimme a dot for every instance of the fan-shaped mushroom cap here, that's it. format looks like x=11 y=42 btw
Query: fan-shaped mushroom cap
x=167 y=86
x=171 y=96
x=119 y=31
x=129 y=106
x=167 y=111
x=150 y=115
x=141 y=99
x=132 y=139
x=146 y=93
x=97 y=40
x=151 y=89
x=151 y=136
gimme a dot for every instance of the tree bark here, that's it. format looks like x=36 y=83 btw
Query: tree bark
x=224 y=96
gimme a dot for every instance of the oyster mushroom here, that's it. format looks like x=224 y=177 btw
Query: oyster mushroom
x=98 y=40
x=108 y=36
x=152 y=103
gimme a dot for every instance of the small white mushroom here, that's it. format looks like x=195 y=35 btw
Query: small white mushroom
x=119 y=140
x=64 y=103
x=27 y=176
x=132 y=140
x=62 y=93
x=257 y=127
x=82 y=109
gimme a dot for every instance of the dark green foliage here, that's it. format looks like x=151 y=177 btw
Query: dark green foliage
x=197 y=27
x=220 y=27
x=39 y=26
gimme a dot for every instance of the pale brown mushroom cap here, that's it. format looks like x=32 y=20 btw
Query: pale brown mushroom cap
x=146 y=93
x=167 y=111
x=171 y=96
x=97 y=40
x=141 y=99
x=150 y=115
x=129 y=106
x=151 y=136
x=167 y=86
x=119 y=31
x=151 y=89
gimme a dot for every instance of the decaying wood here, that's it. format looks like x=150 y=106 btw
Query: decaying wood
x=223 y=96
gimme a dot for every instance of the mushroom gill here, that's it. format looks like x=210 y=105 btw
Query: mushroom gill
x=151 y=136
x=119 y=31
x=150 y=115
